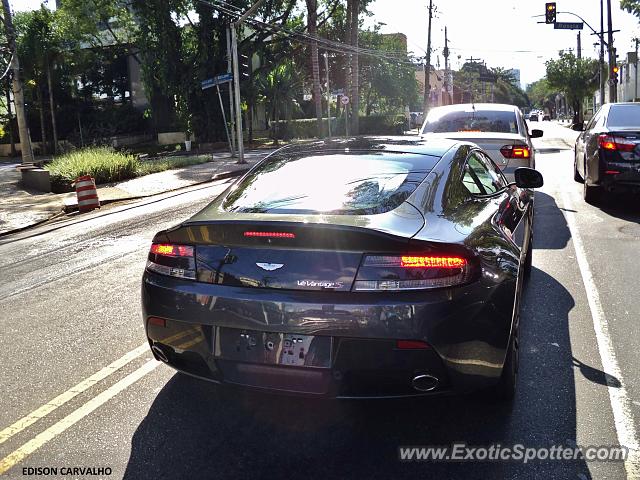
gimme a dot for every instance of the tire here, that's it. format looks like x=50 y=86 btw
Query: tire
x=592 y=194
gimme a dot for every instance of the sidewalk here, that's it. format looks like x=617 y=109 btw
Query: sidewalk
x=20 y=208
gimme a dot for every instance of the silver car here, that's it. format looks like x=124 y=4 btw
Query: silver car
x=500 y=130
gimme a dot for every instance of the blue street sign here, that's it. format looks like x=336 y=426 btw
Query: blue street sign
x=568 y=25
x=217 y=80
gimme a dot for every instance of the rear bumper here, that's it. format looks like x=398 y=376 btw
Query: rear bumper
x=626 y=180
x=467 y=329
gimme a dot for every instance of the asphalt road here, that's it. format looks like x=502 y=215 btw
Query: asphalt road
x=79 y=388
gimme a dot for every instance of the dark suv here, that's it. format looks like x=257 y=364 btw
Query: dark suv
x=607 y=152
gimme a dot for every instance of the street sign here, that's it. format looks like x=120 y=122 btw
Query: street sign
x=217 y=80
x=568 y=25
x=344 y=100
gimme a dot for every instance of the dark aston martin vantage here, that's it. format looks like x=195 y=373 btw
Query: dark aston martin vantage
x=354 y=268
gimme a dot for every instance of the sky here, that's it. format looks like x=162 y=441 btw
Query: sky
x=502 y=32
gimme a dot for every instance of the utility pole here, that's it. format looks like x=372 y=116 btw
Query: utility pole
x=613 y=88
x=579 y=47
x=601 y=52
x=231 y=109
x=635 y=97
x=326 y=69
x=427 y=66
x=18 y=92
x=236 y=75
x=447 y=73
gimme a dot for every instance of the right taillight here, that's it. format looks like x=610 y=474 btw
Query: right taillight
x=515 y=151
x=613 y=143
x=172 y=260
x=411 y=272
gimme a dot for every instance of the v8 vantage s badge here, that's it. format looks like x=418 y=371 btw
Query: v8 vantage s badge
x=321 y=284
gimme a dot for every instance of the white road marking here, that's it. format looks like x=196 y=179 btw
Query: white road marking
x=618 y=396
x=74 y=391
x=56 y=429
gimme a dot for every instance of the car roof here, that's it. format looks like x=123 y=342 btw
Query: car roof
x=463 y=107
x=403 y=144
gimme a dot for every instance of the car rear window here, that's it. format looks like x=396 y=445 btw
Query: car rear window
x=471 y=121
x=624 y=116
x=338 y=184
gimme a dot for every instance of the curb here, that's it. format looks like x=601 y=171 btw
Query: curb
x=219 y=176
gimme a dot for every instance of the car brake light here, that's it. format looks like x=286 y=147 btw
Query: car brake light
x=613 y=143
x=515 y=151
x=411 y=345
x=270 y=234
x=411 y=272
x=172 y=260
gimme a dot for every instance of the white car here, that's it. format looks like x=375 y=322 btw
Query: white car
x=498 y=129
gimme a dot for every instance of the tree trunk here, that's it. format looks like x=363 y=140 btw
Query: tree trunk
x=18 y=91
x=312 y=21
x=43 y=131
x=53 y=109
x=349 y=65
x=355 y=74
x=11 y=137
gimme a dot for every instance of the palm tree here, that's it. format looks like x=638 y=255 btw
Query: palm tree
x=279 y=87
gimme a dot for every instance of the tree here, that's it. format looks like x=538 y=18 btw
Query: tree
x=388 y=81
x=575 y=77
x=17 y=85
x=631 y=6
x=279 y=88
x=542 y=95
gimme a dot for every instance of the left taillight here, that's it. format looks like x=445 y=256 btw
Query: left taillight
x=515 y=151
x=172 y=260
x=412 y=272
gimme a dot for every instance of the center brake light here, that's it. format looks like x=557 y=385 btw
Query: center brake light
x=411 y=272
x=613 y=143
x=270 y=234
x=172 y=260
x=515 y=151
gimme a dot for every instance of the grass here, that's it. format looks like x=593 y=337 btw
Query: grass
x=106 y=165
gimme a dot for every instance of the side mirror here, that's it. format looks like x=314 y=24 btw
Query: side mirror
x=528 y=178
x=535 y=133
x=578 y=127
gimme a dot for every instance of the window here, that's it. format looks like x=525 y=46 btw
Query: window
x=471 y=121
x=356 y=183
x=624 y=116
x=481 y=177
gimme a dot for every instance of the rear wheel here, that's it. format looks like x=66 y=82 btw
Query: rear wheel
x=590 y=193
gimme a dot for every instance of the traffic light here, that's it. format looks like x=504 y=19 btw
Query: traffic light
x=550 y=12
x=614 y=74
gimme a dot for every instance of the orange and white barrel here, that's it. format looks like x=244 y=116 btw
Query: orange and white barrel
x=87 y=194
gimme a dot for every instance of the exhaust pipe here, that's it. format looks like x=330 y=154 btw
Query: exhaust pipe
x=424 y=383
x=159 y=353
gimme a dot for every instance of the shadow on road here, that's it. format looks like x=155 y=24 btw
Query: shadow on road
x=625 y=206
x=550 y=221
x=198 y=430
